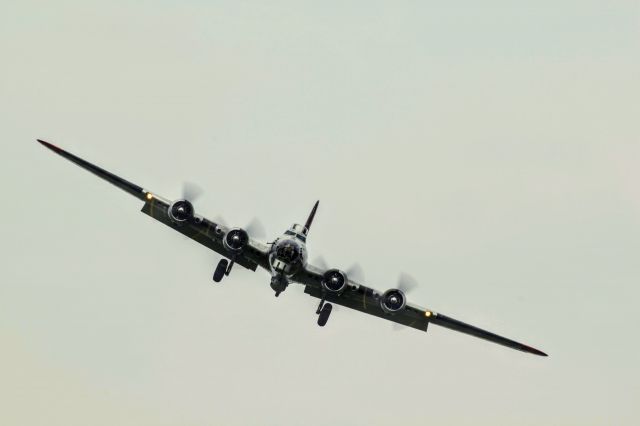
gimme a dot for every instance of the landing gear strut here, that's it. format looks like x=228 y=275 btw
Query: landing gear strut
x=228 y=271
x=323 y=312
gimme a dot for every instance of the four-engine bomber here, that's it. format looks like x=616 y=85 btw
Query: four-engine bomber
x=285 y=259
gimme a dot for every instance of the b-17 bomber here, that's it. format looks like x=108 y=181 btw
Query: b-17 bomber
x=285 y=259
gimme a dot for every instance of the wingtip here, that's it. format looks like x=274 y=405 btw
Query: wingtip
x=49 y=145
x=533 y=351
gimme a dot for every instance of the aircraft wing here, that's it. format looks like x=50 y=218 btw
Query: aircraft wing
x=361 y=298
x=201 y=229
x=367 y=300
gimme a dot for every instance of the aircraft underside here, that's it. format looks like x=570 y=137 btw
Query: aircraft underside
x=286 y=260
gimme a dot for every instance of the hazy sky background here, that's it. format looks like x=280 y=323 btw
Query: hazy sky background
x=490 y=149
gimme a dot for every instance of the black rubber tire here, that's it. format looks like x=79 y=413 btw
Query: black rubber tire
x=221 y=269
x=323 y=317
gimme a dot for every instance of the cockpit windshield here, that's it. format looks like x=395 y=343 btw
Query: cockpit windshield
x=288 y=251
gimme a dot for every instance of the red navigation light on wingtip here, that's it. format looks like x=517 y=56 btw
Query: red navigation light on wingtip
x=535 y=351
x=49 y=145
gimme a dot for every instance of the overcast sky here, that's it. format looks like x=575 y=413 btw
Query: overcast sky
x=489 y=149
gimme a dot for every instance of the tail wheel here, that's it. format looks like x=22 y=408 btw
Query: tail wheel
x=220 y=271
x=323 y=317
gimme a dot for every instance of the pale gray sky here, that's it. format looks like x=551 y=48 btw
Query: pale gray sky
x=490 y=149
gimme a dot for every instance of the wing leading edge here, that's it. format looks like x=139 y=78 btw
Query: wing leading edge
x=123 y=184
x=454 y=324
x=358 y=297
x=367 y=300
x=203 y=231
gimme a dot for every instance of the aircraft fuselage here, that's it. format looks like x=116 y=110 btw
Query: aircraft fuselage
x=287 y=256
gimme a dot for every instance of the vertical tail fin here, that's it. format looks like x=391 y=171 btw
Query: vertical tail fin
x=307 y=225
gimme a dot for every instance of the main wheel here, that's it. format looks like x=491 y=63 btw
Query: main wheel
x=218 y=274
x=324 y=314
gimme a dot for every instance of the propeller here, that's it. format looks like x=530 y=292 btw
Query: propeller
x=354 y=273
x=321 y=263
x=406 y=283
x=191 y=191
x=220 y=221
x=255 y=229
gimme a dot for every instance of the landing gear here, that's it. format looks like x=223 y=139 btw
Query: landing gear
x=324 y=313
x=228 y=271
x=221 y=270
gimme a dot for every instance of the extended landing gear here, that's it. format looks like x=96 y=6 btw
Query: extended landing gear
x=223 y=268
x=323 y=312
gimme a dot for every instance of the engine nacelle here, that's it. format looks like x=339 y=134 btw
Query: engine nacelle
x=236 y=240
x=393 y=301
x=334 y=281
x=181 y=211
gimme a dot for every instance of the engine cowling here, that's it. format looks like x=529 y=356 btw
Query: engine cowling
x=393 y=301
x=236 y=240
x=181 y=211
x=334 y=281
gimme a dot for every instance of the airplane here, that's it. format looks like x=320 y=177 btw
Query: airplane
x=286 y=260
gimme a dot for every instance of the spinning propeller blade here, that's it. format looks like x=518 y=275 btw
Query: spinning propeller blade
x=191 y=191
x=255 y=229
x=321 y=263
x=354 y=273
x=406 y=283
